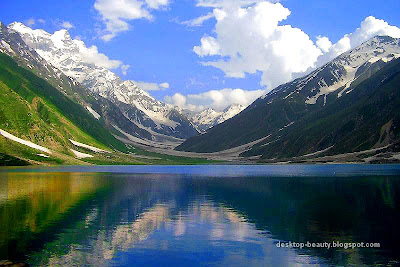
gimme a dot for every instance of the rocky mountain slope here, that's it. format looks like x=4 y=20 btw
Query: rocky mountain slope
x=72 y=57
x=339 y=86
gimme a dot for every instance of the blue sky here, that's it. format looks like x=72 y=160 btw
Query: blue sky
x=158 y=45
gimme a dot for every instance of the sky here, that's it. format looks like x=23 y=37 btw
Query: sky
x=211 y=53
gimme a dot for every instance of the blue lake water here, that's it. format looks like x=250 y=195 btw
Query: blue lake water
x=200 y=215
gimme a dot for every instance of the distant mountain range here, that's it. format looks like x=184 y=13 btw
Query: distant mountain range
x=63 y=56
x=54 y=101
x=208 y=118
x=100 y=105
x=350 y=104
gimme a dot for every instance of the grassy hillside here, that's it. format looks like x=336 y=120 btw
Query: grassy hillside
x=49 y=103
x=35 y=111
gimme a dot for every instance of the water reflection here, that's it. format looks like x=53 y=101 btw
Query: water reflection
x=74 y=219
x=31 y=204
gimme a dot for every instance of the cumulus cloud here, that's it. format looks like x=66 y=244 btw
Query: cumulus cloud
x=152 y=86
x=67 y=25
x=215 y=99
x=116 y=13
x=209 y=47
x=91 y=55
x=324 y=43
x=369 y=28
x=249 y=39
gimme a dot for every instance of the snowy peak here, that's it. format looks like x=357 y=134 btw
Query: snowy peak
x=209 y=117
x=376 y=48
x=341 y=72
x=87 y=66
x=230 y=112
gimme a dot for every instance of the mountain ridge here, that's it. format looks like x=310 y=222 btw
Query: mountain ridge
x=285 y=105
x=66 y=54
x=208 y=118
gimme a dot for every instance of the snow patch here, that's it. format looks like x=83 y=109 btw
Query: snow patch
x=7 y=46
x=284 y=127
x=43 y=155
x=326 y=90
x=92 y=148
x=24 y=142
x=397 y=156
x=93 y=112
x=81 y=155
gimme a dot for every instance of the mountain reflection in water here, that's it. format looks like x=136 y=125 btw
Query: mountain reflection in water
x=105 y=219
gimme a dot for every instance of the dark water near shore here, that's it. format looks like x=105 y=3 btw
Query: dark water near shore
x=199 y=216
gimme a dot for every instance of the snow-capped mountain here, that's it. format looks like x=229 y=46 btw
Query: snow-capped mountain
x=341 y=72
x=292 y=119
x=75 y=60
x=208 y=118
x=12 y=44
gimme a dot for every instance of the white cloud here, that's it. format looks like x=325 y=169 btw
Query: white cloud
x=30 y=22
x=226 y=3
x=91 y=55
x=209 y=47
x=124 y=69
x=67 y=25
x=248 y=39
x=164 y=85
x=369 y=28
x=156 y=4
x=177 y=100
x=324 y=43
x=215 y=99
x=116 y=13
x=197 y=22
x=152 y=86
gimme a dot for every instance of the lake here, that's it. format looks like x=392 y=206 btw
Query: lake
x=201 y=215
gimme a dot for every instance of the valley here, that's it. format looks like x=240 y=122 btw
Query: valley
x=343 y=112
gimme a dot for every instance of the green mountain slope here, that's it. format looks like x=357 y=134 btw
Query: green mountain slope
x=13 y=45
x=32 y=109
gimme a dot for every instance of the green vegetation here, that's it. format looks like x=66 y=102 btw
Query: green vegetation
x=33 y=110
x=28 y=86
x=7 y=160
